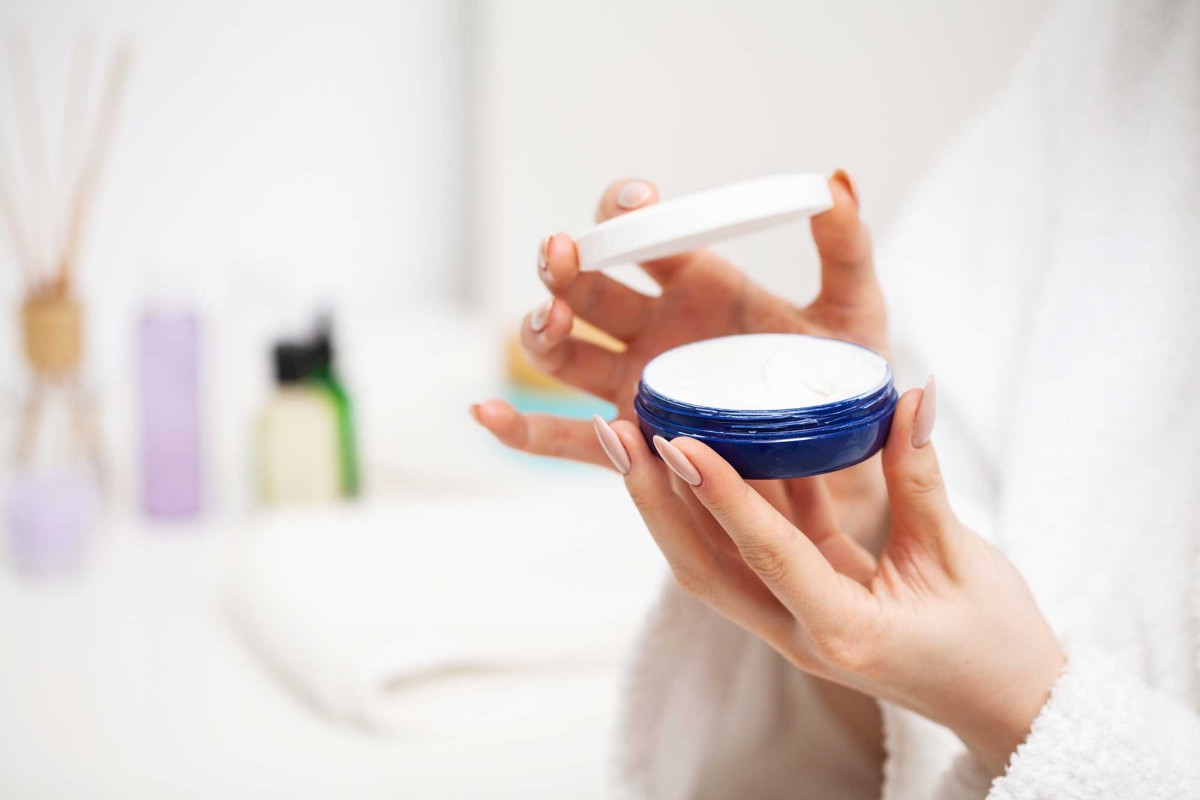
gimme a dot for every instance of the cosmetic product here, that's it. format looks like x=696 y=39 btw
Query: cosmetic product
x=325 y=375
x=300 y=456
x=772 y=405
x=168 y=380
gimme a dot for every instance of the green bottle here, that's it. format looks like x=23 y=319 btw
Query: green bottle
x=325 y=375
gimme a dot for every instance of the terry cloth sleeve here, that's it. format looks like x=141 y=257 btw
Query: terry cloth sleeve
x=1102 y=735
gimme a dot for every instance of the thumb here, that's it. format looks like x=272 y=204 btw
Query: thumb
x=844 y=244
x=916 y=493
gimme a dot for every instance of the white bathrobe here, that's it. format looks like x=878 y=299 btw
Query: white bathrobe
x=1048 y=273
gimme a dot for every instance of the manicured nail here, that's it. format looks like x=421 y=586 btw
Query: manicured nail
x=611 y=444
x=677 y=461
x=540 y=316
x=633 y=194
x=544 y=256
x=923 y=426
x=843 y=177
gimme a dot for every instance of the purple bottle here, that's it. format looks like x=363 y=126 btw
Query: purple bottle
x=169 y=379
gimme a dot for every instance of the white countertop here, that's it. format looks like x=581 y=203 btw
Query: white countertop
x=129 y=681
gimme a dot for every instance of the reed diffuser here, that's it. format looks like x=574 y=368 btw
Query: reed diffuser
x=50 y=504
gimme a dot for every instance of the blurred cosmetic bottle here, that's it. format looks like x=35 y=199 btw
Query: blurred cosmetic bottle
x=168 y=343
x=299 y=437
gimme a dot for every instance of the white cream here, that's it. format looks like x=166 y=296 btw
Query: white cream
x=765 y=371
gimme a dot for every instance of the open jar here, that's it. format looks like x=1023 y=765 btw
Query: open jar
x=772 y=405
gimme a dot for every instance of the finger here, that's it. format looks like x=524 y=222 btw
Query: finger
x=723 y=582
x=786 y=560
x=603 y=301
x=624 y=195
x=920 y=511
x=717 y=537
x=540 y=434
x=814 y=514
x=547 y=342
x=774 y=492
x=848 y=281
x=628 y=195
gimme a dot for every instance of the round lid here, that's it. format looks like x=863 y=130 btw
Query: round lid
x=699 y=219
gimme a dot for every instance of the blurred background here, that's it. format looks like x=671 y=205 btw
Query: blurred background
x=258 y=258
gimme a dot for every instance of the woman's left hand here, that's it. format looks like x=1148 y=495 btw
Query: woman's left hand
x=941 y=623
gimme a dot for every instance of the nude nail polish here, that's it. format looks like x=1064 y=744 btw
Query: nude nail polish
x=612 y=446
x=541 y=316
x=843 y=177
x=926 y=411
x=677 y=461
x=633 y=194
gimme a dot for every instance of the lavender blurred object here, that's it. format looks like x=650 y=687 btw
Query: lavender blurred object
x=49 y=516
x=168 y=366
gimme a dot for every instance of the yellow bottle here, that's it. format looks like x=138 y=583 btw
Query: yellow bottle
x=299 y=436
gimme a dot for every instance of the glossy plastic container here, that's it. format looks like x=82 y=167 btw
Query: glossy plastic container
x=778 y=443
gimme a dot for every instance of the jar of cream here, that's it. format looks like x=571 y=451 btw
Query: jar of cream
x=772 y=405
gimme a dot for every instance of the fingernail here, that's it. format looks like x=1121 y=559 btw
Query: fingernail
x=633 y=194
x=843 y=177
x=540 y=316
x=677 y=461
x=544 y=255
x=474 y=411
x=923 y=426
x=612 y=446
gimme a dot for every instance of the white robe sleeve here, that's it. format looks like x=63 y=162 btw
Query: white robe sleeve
x=1102 y=735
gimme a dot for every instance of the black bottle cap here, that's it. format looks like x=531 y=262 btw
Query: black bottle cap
x=293 y=362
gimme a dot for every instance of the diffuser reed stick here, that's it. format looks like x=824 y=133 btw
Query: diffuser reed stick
x=23 y=73
x=75 y=115
x=93 y=164
x=13 y=222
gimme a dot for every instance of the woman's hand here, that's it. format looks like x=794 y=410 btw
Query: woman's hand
x=941 y=623
x=703 y=296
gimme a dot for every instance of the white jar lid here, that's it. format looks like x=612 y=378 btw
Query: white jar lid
x=700 y=219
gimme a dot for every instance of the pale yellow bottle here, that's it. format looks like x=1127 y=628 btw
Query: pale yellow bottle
x=299 y=436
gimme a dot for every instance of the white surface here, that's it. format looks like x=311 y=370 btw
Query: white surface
x=765 y=371
x=130 y=682
x=702 y=218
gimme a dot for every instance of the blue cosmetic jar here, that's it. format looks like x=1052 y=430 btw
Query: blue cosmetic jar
x=836 y=402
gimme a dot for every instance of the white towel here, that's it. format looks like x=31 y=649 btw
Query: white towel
x=366 y=610
x=1048 y=272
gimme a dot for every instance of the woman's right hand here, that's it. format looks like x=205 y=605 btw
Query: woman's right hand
x=940 y=622
x=703 y=296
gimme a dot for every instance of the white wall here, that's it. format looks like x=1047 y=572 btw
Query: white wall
x=316 y=135
x=693 y=94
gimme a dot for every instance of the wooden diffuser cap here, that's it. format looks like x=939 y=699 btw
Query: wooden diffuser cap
x=53 y=333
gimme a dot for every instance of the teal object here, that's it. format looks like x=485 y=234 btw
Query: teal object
x=575 y=404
